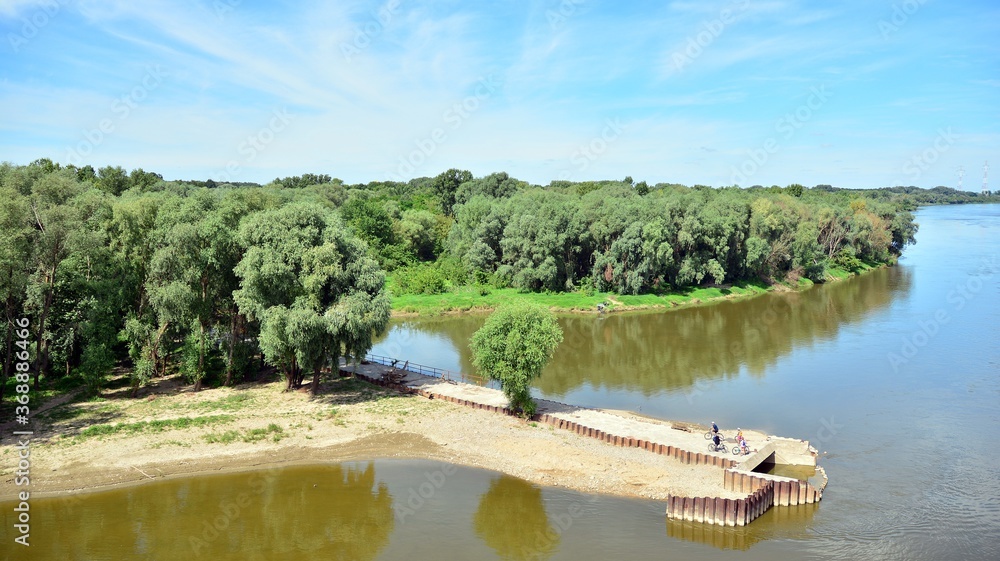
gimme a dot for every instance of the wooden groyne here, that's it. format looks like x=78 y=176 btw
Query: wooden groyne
x=763 y=491
x=722 y=512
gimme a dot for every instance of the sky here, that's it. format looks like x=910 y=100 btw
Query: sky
x=855 y=94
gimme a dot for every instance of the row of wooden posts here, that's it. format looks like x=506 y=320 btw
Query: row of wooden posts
x=763 y=492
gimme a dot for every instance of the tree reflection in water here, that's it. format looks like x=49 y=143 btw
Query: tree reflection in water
x=656 y=351
x=326 y=511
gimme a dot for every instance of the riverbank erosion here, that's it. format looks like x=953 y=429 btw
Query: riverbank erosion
x=171 y=431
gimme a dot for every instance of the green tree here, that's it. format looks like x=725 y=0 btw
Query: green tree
x=113 y=180
x=133 y=239
x=311 y=285
x=497 y=185
x=539 y=242
x=370 y=220
x=188 y=273
x=446 y=185
x=513 y=347
x=417 y=231
x=57 y=220
x=16 y=244
x=143 y=180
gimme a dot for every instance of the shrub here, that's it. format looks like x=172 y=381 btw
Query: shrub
x=424 y=278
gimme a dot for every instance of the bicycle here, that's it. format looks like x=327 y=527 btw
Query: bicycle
x=738 y=451
x=710 y=434
x=720 y=448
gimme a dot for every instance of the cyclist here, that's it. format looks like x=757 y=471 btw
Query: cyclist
x=715 y=428
x=743 y=444
x=716 y=440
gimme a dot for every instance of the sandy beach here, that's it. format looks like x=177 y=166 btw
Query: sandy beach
x=258 y=425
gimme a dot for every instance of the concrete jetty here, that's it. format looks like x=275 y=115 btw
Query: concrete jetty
x=682 y=441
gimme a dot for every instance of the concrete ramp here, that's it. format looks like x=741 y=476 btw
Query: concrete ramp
x=754 y=460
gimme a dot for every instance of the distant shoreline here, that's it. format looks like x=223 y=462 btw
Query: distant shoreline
x=468 y=300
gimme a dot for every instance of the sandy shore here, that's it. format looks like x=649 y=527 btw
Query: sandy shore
x=258 y=425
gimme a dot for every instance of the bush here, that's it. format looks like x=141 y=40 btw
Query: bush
x=453 y=270
x=513 y=347
x=425 y=278
x=95 y=365
x=845 y=259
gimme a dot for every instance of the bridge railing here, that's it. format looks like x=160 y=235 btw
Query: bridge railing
x=446 y=375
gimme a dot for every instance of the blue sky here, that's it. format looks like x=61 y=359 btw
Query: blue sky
x=855 y=94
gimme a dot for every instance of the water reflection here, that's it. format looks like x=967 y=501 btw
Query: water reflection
x=511 y=519
x=653 y=352
x=328 y=511
x=784 y=522
x=721 y=537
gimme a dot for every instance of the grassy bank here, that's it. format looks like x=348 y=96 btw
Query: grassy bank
x=483 y=299
x=472 y=299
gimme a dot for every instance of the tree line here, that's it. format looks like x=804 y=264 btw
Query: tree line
x=117 y=267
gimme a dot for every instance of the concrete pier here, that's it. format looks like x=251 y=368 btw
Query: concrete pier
x=678 y=441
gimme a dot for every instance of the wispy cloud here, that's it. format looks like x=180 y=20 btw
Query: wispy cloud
x=366 y=90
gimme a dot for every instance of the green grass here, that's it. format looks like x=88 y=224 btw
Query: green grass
x=159 y=425
x=253 y=435
x=837 y=273
x=466 y=299
x=834 y=272
x=233 y=402
x=222 y=438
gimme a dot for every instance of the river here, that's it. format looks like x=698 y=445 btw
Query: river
x=894 y=376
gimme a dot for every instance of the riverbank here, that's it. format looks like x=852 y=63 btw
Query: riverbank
x=470 y=299
x=171 y=431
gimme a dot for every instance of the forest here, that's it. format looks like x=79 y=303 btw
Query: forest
x=116 y=268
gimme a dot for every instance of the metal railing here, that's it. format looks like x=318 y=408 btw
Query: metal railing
x=446 y=375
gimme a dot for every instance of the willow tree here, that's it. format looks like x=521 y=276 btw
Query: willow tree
x=57 y=220
x=15 y=257
x=513 y=347
x=312 y=287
